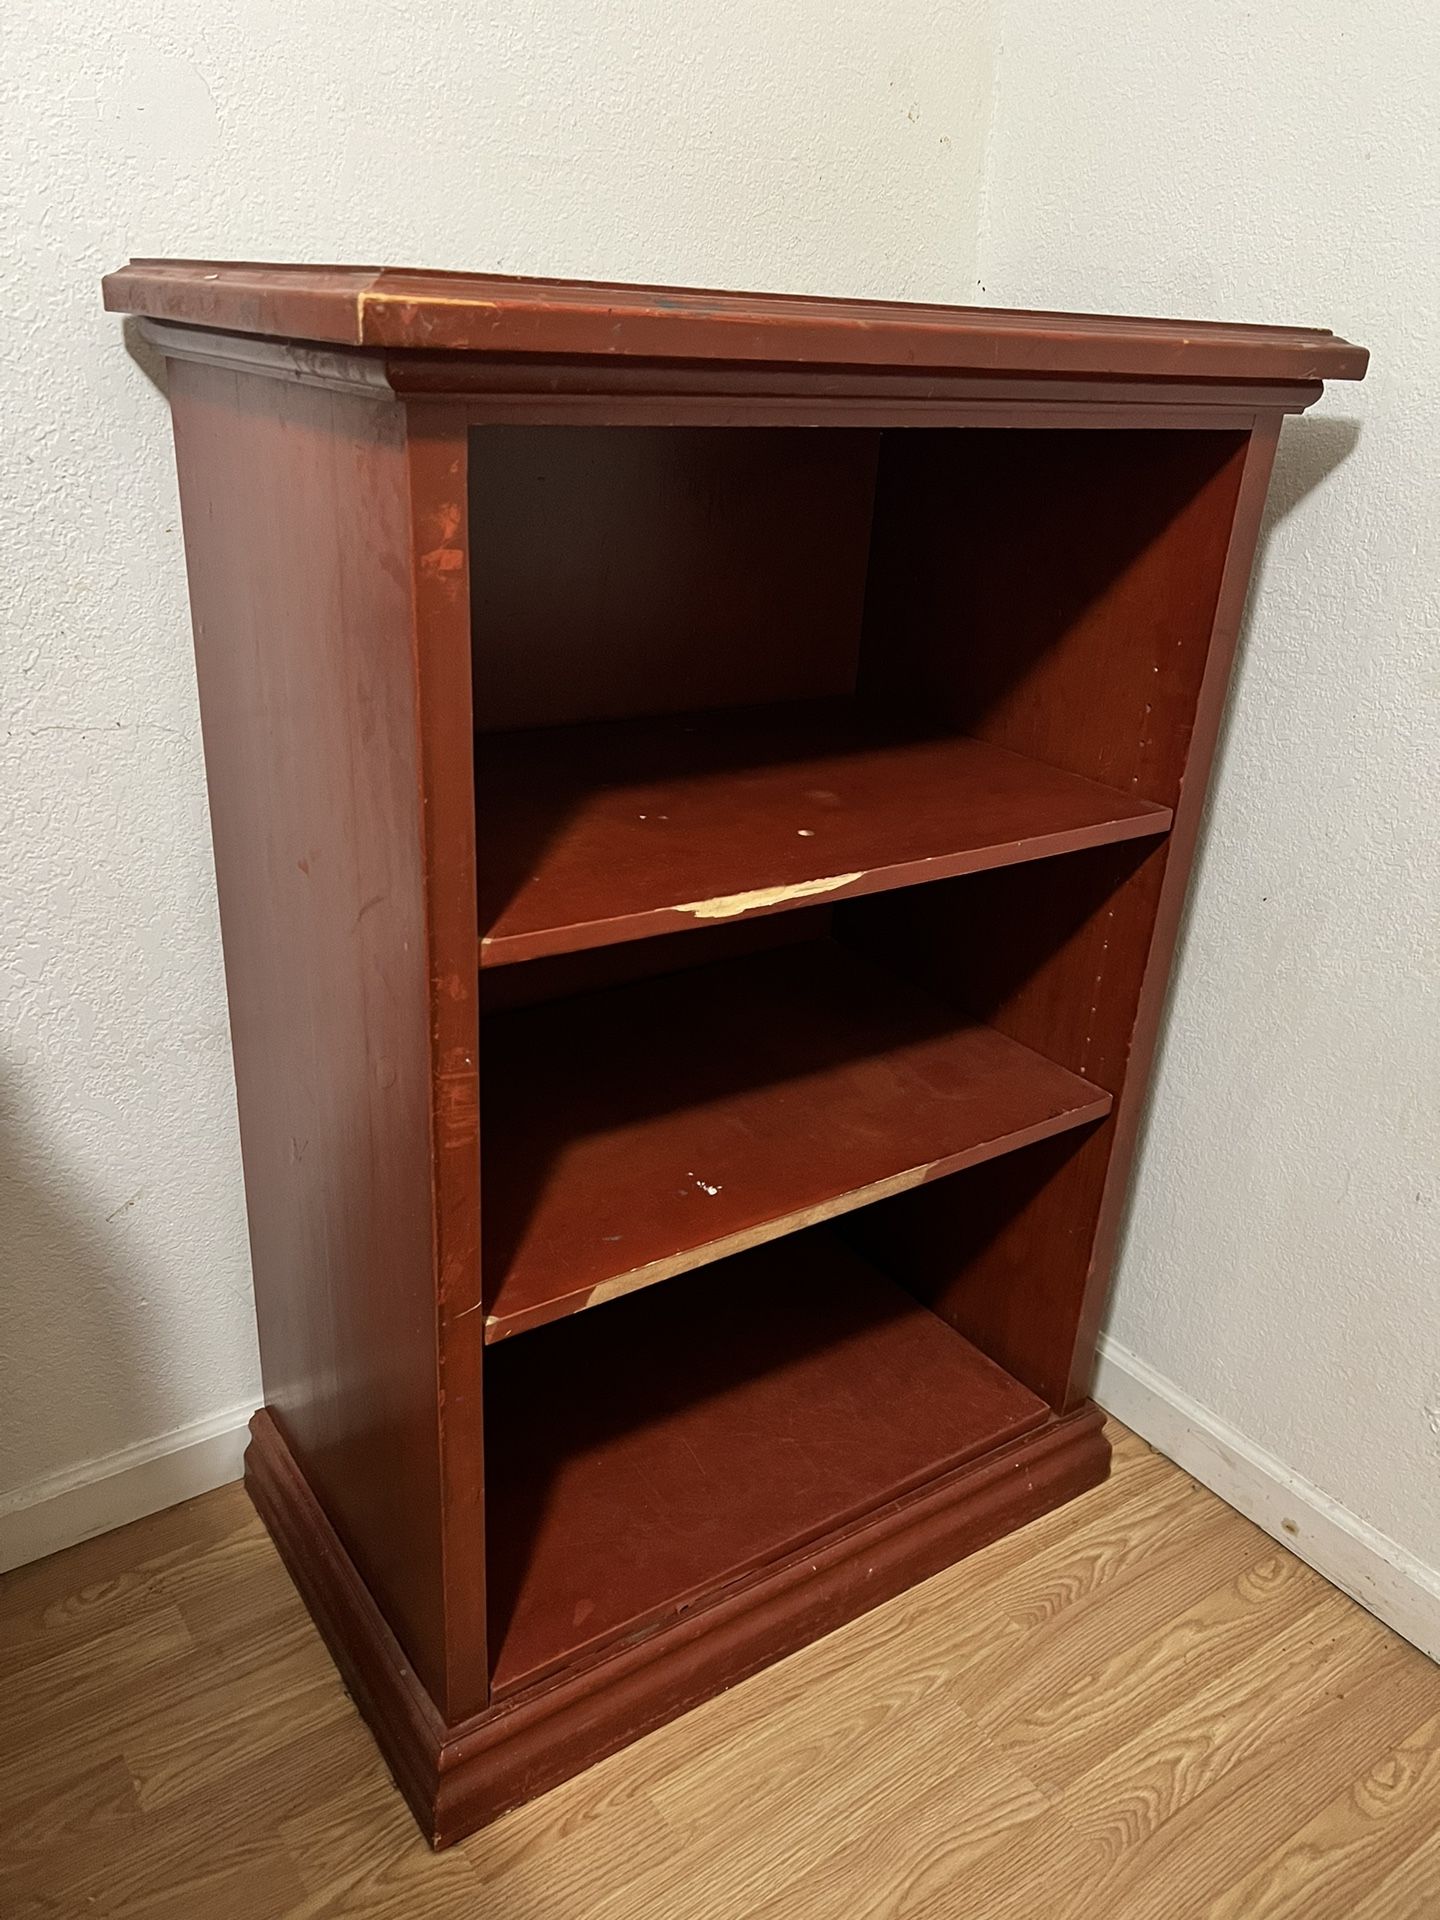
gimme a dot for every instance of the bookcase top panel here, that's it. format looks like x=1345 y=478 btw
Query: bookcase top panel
x=402 y=307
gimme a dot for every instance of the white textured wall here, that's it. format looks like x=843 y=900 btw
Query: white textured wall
x=796 y=144
x=1282 y=1265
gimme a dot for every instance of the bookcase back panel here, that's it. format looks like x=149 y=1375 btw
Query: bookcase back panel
x=1052 y=591
x=1086 y=618
x=635 y=570
x=1053 y=955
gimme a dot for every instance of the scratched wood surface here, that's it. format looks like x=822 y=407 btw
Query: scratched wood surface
x=499 y=313
x=1139 y=1706
x=642 y=1132
x=605 y=833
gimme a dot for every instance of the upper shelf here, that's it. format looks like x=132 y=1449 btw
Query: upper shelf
x=399 y=307
x=600 y=833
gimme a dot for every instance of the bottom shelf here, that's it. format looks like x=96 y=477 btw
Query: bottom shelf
x=646 y=1456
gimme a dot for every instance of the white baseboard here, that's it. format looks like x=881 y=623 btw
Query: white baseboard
x=1385 y=1579
x=1375 y=1571
x=110 y=1492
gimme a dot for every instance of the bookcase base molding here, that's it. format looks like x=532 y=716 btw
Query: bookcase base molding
x=457 y=1778
x=703 y=787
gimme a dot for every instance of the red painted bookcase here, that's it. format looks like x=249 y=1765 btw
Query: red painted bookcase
x=703 y=786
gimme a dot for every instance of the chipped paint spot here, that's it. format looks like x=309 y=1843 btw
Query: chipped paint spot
x=727 y=906
x=710 y=1250
x=458 y=1107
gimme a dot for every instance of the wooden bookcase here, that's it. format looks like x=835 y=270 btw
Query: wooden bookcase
x=703 y=786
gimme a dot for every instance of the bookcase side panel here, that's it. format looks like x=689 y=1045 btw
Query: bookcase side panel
x=438 y=477
x=298 y=522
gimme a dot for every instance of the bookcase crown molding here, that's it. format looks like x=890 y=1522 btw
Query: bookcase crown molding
x=413 y=310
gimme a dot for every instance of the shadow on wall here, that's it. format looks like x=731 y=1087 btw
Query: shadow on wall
x=150 y=360
x=1309 y=451
x=82 y=1288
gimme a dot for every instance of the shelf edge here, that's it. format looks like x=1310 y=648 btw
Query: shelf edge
x=502 y=1326
x=499 y=950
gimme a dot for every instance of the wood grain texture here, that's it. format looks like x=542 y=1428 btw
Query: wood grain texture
x=607 y=833
x=856 y=1780
x=494 y=313
x=635 y=1134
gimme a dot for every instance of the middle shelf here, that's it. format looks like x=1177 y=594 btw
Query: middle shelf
x=606 y=832
x=636 y=1133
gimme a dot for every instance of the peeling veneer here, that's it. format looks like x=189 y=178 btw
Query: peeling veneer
x=729 y=906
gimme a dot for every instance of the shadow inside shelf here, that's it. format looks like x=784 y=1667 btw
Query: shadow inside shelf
x=633 y=1133
x=960 y=612
x=643 y=1457
x=981 y=939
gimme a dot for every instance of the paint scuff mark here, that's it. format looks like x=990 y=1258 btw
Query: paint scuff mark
x=458 y=1108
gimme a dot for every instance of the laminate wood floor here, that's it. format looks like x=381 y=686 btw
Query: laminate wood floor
x=1139 y=1706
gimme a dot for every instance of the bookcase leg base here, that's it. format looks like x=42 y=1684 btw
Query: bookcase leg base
x=459 y=1777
